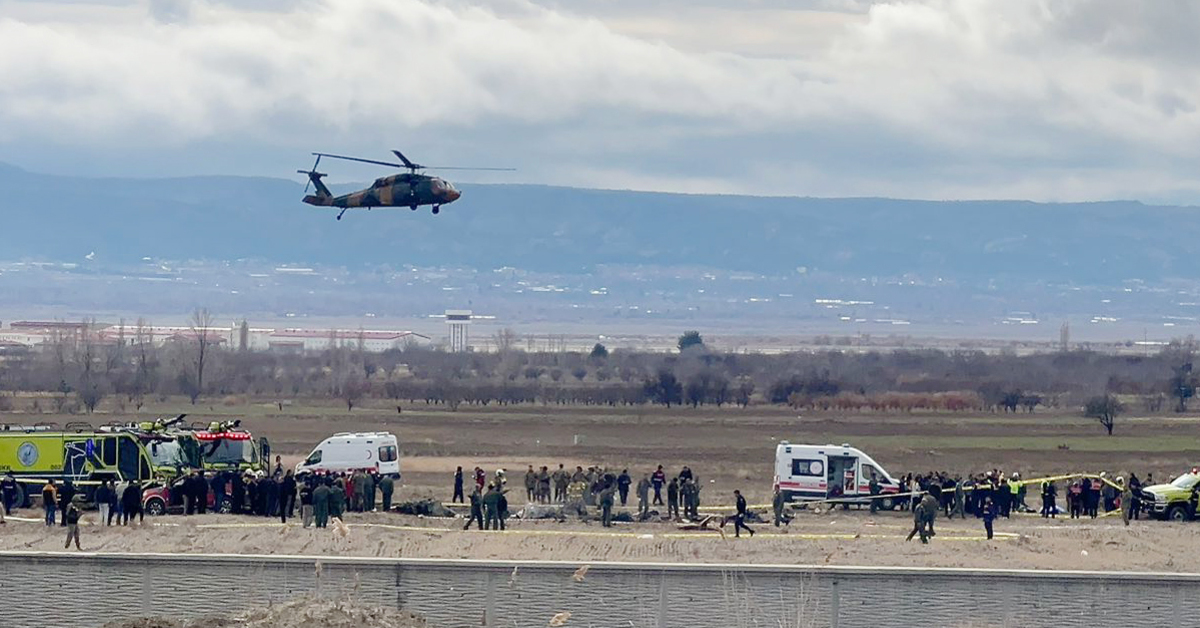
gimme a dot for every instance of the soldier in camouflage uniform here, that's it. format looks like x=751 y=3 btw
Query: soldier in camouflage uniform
x=924 y=513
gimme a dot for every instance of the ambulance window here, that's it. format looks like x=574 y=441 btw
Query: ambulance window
x=387 y=453
x=801 y=466
x=108 y=451
x=314 y=458
x=869 y=471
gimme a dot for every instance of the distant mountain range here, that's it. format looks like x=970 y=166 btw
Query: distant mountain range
x=573 y=230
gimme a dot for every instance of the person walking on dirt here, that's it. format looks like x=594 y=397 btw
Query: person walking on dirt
x=989 y=515
x=778 y=503
x=875 y=490
x=924 y=514
x=623 y=483
x=458 y=487
x=71 y=521
x=387 y=486
x=960 y=500
x=658 y=480
x=739 y=520
x=320 y=498
x=643 y=493
x=476 y=510
x=673 y=499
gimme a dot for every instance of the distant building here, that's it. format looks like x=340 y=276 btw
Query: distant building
x=34 y=334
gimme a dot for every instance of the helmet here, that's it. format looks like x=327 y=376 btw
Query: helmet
x=1016 y=475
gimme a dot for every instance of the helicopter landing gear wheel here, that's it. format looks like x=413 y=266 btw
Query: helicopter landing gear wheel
x=437 y=208
x=340 y=213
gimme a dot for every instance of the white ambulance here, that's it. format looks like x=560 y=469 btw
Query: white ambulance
x=811 y=472
x=346 y=452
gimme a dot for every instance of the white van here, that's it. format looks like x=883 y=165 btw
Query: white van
x=808 y=472
x=349 y=451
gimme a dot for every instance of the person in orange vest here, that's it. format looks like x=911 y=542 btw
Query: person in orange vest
x=49 y=501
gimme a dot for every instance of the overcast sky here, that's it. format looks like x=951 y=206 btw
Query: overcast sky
x=942 y=99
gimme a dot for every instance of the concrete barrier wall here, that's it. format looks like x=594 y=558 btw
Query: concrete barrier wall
x=85 y=591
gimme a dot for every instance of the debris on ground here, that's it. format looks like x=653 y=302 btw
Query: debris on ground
x=424 y=508
x=301 y=613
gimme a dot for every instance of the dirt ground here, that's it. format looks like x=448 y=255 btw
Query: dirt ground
x=835 y=537
x=729 y=448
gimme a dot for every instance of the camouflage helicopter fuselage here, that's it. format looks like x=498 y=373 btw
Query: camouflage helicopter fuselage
x=398 y=190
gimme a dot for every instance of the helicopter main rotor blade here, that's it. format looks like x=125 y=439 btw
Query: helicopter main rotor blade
x=360 y=159
x=468 y=168
x=407 y=164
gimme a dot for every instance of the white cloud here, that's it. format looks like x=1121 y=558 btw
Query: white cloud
x=1071 y=99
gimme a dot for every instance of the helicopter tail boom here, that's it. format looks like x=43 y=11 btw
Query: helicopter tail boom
x=323 y=195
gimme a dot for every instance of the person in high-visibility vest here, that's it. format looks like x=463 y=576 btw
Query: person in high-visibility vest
x=1016 y=494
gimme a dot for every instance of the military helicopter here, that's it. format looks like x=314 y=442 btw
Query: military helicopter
x=407 y=189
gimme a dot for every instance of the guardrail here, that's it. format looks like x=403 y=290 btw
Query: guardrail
x=87 y=590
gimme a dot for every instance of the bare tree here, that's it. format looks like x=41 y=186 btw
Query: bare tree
x=1105 y=409
x=201 y=323
x=506 y=340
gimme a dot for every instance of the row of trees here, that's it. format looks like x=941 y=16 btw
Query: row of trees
x=78 y=371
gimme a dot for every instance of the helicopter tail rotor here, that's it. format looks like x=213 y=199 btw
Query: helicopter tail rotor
x=310 y=173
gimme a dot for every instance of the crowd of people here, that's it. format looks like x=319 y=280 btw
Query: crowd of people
x=577 y=491
x=320 y=497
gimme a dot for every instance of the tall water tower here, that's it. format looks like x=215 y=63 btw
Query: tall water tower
x=459 y=322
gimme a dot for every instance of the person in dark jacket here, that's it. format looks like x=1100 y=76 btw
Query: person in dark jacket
x=989 y=515
x=219 y=481
x=491 y=507
x=131 y=503
x=271 y=491
x=306 y=503
x=104 y=497
x=8 y=488
x=673 y=499
x=739 y=520
x=65 y=495
x=237 y=492
x=476 y=510
x=458 y=486
x=287 y=496
x=200 y=492
x=623 y=483
x=49 y=501
x=71 y=521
